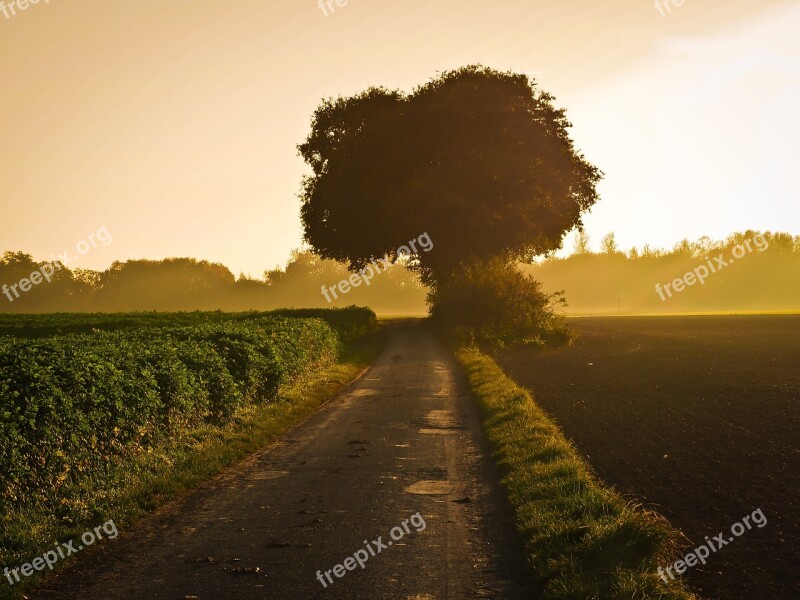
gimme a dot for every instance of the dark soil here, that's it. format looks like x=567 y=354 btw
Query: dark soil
x=696 y=417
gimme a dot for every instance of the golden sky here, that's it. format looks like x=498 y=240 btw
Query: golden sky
x=174 y=123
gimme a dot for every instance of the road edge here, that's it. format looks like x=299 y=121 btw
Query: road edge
x=612 y=548
x=259 y=428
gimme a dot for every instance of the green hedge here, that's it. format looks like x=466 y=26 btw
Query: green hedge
x=345 y=321
x=350 y=323
x=73 y=405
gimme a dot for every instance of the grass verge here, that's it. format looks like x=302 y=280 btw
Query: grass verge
x=148 y=481
x=583 y=540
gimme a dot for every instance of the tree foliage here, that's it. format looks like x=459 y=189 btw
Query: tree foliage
x=581 y=244
x=480 y=160
x=608 y=245
x=494 y=302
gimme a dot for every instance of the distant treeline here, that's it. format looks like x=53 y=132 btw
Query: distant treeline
x=763 y=278
x=595 y=283
x=185 y=284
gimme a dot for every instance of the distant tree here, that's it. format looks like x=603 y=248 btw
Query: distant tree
x=738 y=238
x=780 y=243
x=170 y=284
x=273 y=276
x=91 y=279
x=648 y=252
x=633 y=253
x=581 y=244
x=307 y=269
x=58 y=291
x=608 y=245
x=15 y=265
x=684 y=247
x=84 y=286
x=702 y=247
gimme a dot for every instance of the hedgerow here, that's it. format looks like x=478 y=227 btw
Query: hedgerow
x=347 y=322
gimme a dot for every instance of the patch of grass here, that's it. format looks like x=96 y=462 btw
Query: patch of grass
x=149 y=480
x=583 y=540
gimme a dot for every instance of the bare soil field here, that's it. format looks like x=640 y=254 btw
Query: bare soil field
x=696 y=417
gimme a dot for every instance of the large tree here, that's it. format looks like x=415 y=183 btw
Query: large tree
x=480 y=160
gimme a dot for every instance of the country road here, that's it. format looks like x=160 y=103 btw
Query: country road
x=402 y=439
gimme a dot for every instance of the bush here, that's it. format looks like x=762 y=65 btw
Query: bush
x=494 y=303
x=350 y=323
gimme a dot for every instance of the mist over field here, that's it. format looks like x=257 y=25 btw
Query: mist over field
x=608 y=282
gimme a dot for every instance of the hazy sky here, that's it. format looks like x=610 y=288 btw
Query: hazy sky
x=175 y=123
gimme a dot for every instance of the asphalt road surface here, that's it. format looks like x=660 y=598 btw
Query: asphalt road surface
x=397 y=455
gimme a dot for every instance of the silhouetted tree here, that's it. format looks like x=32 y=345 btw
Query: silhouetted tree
x=581 y=245
x=608 y=245
x=702 y=246
x=780 y=243
x=683 y=248
x=171 y=284
x=480 y=160
x=648 y=252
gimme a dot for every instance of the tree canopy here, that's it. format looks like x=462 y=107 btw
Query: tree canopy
x=479 y=159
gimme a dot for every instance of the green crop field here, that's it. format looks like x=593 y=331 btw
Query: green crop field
x=82 y=397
